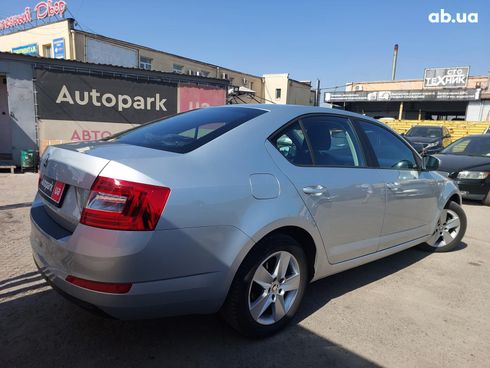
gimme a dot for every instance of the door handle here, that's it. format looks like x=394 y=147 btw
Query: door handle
x=395 y=187
x=367 y=188
x=315 y=190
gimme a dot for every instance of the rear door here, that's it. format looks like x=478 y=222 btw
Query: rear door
x=328 y=168
x=411 y=194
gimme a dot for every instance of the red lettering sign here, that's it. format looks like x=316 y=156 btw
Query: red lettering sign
x=48 y=9
x=89 y=135
x=43 y=9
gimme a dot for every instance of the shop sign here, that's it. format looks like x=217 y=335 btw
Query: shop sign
x=59 y=48
x=80 y=97
x=194 y=97
x=446 y=77
x=30 y=49
x=42 y=10
x=404 y=95
x=89 y=135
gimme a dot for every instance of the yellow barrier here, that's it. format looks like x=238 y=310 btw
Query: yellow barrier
x=458 y=129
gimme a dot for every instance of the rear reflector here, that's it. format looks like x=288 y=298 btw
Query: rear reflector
x=124 y=205
x=103 y=287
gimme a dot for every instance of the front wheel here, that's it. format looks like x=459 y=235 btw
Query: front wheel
x=486 y=200
x=450 y=229
x=268 y=287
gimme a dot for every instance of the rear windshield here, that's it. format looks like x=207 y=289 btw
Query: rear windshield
x=187 y=131
x=469 y=146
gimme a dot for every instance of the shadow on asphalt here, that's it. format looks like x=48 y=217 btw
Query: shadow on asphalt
x=43 y=329
x=15 y=205
x=321 y=292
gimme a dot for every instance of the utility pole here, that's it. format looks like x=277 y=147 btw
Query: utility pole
x=317 y=94
x=393 y=64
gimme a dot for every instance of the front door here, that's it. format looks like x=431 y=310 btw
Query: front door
x=5 y=122
x=411 y=199
x=346 y=199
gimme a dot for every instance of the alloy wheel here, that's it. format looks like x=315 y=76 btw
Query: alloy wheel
x=447 y=229
x=274 y=288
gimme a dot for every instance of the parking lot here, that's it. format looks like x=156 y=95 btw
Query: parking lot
x=412 y=309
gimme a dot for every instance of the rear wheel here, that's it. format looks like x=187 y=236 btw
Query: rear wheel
x=268 y=287
x=450 y=229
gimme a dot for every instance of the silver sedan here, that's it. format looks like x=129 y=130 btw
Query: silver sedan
x=233 y=209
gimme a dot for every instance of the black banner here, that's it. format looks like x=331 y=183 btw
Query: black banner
x=70 y=96
x=403 y=95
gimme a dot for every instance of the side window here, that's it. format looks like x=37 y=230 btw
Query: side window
x=332 y=141
x=292 y=145
x=390 y=151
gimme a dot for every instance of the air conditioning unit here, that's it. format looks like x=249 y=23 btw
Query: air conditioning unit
x=358 y=87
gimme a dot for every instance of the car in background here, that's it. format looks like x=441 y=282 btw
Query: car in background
x=467 y=162
x=428 y=139
x=233 y=209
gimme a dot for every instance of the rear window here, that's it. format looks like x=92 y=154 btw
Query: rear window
x=187 y=131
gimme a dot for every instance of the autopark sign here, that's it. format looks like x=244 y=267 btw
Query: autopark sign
x=80 y=97
x=42 y=10
x=88 y=104
x=446 y=77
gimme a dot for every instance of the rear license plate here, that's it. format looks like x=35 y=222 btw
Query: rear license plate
x=52 y=190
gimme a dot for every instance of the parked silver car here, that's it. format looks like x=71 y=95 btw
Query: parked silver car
x=233 y=209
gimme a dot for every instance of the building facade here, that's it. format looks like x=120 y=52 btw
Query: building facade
x=62 y=40
x=45 y=101
x=442 y=94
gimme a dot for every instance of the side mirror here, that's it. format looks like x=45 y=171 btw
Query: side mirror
x=447 y=136
x=430 y=163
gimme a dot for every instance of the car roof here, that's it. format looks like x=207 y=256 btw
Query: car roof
x=301 y=109
x=477 y=136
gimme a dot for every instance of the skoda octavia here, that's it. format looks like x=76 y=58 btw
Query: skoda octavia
x=233 y=209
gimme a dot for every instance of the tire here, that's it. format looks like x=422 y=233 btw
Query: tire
x=447 y=238
x=244 y=308
x=486 y=200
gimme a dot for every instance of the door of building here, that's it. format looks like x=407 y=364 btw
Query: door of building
x=5 y=122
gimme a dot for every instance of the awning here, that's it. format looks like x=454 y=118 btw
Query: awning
x=236 y=91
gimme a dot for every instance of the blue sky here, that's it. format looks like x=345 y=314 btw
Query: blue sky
x=335 y=40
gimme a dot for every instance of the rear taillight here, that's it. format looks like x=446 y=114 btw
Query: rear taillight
x=124 y=205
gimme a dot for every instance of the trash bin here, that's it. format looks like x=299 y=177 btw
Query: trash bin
x=28 y=160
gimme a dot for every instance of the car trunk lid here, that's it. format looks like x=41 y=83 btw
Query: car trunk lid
x=67 y=172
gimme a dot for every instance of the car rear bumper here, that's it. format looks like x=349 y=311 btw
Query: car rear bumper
x=180 y=271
